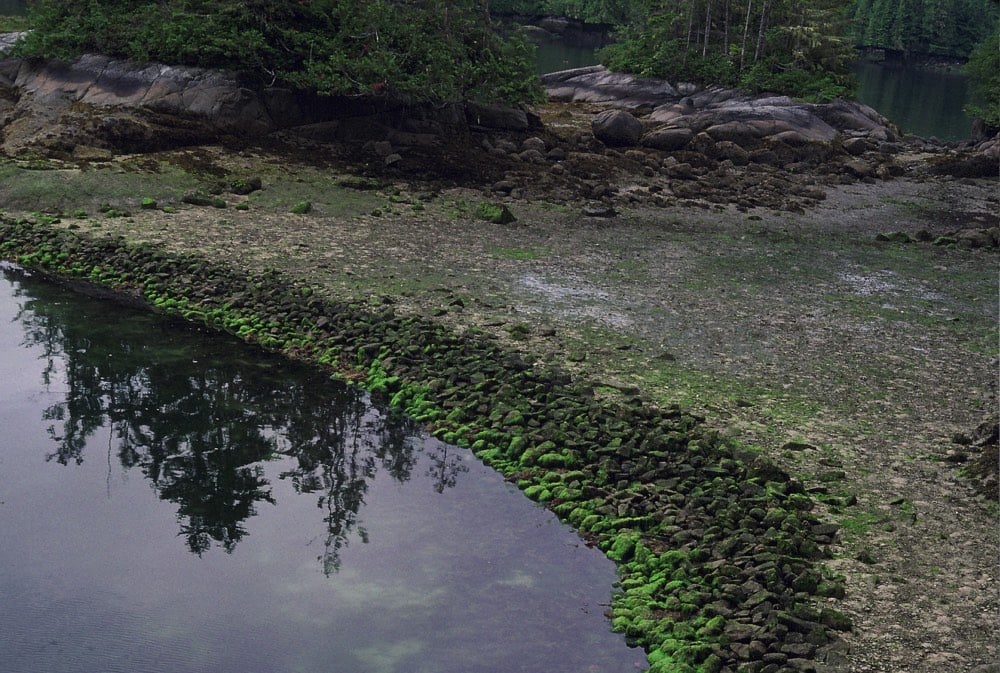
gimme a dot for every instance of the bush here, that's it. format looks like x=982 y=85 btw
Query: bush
x=983 y=70
x=816 y=86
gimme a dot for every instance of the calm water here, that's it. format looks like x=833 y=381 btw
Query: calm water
x=555 y=55
x=922 y=102
x=174 y=501
x=13 y=7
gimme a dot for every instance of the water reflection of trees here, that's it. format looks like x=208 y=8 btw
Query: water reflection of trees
x=199 y=422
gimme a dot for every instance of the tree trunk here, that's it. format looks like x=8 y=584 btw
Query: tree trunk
x=746 y=32
x=760 y=33
x=708 y=27
x=687 y=45
x=725 y=34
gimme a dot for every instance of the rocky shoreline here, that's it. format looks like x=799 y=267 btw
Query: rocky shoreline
x=676 y=143
x=724 y=553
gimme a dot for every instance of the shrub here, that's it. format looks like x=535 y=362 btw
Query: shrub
x=983 y=70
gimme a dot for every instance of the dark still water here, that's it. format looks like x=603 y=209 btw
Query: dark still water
x=554 y=55
x=919 y=101
x=13 y=7
x=177 y=502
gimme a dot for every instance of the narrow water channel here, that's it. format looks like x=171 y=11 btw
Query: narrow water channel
x=176 y=501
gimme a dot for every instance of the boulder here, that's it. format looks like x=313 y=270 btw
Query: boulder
x=499 y=117
x=856 y=146
x=8 y=40
x=617 y=128
x=597 y=84
x=849 y=115
x=733 y=152
x=667 y=139
x=859 y=168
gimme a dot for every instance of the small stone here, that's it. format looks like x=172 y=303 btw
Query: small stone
x=534 y=143
x=599 y=211
x=497 y=213
x=382 y=148
x=88 y=153
x=859 y=168
x=244 y=186
x=856 y=146
x=894 y=237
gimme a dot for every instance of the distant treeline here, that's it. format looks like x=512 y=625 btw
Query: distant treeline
x=799 y=48
x=941 y=28
x=944 y=28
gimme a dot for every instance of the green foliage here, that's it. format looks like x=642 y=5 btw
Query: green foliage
x=13 y=24
x=430 y=51
x=983 y=69
x=947 y=28
x=497 y=213
x=589 y=11
x=301 y=208
x=813 y=86
x=760 y=45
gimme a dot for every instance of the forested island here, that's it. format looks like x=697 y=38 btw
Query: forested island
x=803 y=49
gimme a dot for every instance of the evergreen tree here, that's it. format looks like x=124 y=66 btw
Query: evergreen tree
x=777 y=45
x=983 y=69
x=946 y=28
